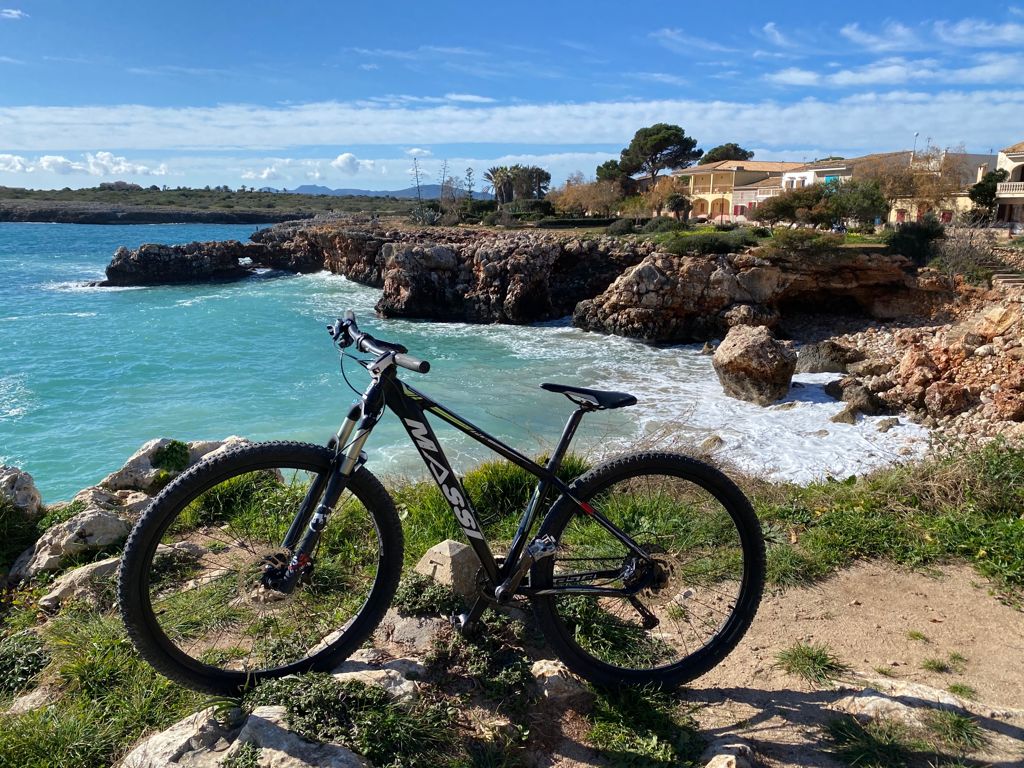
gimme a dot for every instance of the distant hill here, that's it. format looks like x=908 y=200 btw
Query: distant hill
x=428 y=191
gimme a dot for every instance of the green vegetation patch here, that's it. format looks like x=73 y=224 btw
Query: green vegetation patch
x=420 y=595
x=813 y=662
x=704 y=241
x=643 y=728
x=22 y=657
x=964 y=506
x=880 y=743
x=173 y=456
x=362 y=718
x=803 y=242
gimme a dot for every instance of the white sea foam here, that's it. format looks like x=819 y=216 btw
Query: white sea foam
x=16 y=399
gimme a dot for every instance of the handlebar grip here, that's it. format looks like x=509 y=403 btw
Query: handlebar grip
x=411 y=363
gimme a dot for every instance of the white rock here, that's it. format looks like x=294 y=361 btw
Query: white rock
x=401 y=690
x=18 y=486
x=28 y=702
x=453 y=564
x=78 y=584
x=728 y=752
x=556 y=682
x=417 y=632
x=139 y=474
x=281 y=748
x=91 y=530
x=187 y=742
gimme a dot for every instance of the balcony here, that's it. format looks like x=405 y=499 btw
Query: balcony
x=1010 y=189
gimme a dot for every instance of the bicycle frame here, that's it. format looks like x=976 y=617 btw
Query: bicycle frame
x=411 y=406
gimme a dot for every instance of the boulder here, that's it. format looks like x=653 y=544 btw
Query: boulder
x=451 y=563
x=89 y=531
x=945 y=398
x=191 y=741
x=267 y=729
x=825 y=357
x=79 y=584
x=141 y=474
x=728 y=752
x=753 y=366
x=396 y=676
x=414 y=632
x=556 y=683
x=153 y=264
x=18 y=487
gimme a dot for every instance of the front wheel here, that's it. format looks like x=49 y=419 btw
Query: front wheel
x=196 y=583
x=676 y=617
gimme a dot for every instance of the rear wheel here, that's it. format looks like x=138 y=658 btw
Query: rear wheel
x=197 y=576
x=688 y=609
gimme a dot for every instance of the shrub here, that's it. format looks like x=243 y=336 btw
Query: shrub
x=490 y=219
x=707 y=242
x=916 y=239
x=662 y=224
x=620 y=227
x=22 y=658
x=725 y=226
x=807 y=242
x=553 y=222
x=420 y=595
x=172 y=457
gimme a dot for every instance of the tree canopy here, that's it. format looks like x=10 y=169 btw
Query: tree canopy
x=983 y=194
x=729 y=151
x=656 y=148
x=824 y=204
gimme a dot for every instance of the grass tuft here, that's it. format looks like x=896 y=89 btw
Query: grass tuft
x=643 y=728
x=955 y=730
x=939 y=666
x=918 y=636
x=880 y=743
x=420 y=595
x=815 y=663
x=963 y=690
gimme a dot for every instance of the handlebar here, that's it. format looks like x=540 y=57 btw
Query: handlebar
x=345 y=332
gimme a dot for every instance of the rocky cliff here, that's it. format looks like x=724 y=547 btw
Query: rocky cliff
x=669 y=298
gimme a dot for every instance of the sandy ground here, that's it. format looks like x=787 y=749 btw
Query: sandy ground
x=864 y=614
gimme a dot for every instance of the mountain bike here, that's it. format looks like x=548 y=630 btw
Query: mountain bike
x=282 y=557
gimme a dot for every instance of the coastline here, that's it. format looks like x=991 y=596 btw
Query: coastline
x=99 y=213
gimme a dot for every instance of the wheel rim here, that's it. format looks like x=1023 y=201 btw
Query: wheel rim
x=204 y=591
x=693 y=592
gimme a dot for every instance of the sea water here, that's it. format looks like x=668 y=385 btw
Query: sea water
x=89 y=374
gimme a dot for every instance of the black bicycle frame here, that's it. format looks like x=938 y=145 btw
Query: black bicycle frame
x=410 y=406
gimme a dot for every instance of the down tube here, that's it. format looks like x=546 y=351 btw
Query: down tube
x=416 y=424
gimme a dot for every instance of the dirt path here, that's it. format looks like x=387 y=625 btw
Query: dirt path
x=864 y=614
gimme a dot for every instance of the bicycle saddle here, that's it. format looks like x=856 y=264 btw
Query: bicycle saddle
x=602 y=399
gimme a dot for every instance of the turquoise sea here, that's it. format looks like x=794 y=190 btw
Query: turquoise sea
x=89 y=374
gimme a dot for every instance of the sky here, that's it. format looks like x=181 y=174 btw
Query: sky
x=347 y=94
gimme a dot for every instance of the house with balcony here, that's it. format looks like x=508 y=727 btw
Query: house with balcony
x=1010 y=193
x=747 y=197
x=711 y=186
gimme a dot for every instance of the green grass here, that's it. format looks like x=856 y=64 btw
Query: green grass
x=956 y=731
x=363 y=718
x=940 y=666
x=643 y=728
x=880 y=743
x=813 y=662
x=963 y=690
x=962 y=507
x=420 y=595
x=917 y=636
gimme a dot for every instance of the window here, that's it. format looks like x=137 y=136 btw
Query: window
x=947 y=216
x=901 y=215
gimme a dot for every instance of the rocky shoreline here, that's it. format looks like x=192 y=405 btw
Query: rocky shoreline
x=104 y=213
x=946 y=355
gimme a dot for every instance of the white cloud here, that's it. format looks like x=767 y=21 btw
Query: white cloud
x=350 y=165
x=974 y=33
x=661 y=77
x=894 y=37
x=469 y=98
x=13 y=164
x=58 y=164
x=9 y=60
x=1015 y=11
x=794 y=76
x=418 y=152
x=12 y=13
x=772 y=33
x=980 y=118
x=984 y=69
x=678 y=41
x=266 y=174
x=106 y=164
x=369 y=67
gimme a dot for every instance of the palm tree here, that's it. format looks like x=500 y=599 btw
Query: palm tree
x=500 y=180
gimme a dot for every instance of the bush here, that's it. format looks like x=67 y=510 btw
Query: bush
x=172 y=457
x=420 y=595
x=490 y=219
x=708 y=242
x=554 y=222
x=22 y=658
x=916 y=239
x=663 y=224
x=620 y=227
x=529 y=206
x=725 y=226
x=809 y=242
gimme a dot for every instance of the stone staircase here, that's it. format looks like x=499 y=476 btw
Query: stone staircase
x=1004 y=277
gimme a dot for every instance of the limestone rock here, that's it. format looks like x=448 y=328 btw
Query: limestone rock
x=415 y=632
x=451 y=563
x=281 y=748
x=396 y=676
x=728 y=752
x=79 y=584
x=753 y=366
x=89 y=531
x=139 y=473
x=825 y=357
x=152 y=264
x=187 y=742
x=33 y=700
x=556 y=683
x=17 y=486
x=944 y=398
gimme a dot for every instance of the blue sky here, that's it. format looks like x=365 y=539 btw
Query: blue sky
x=259 y=93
